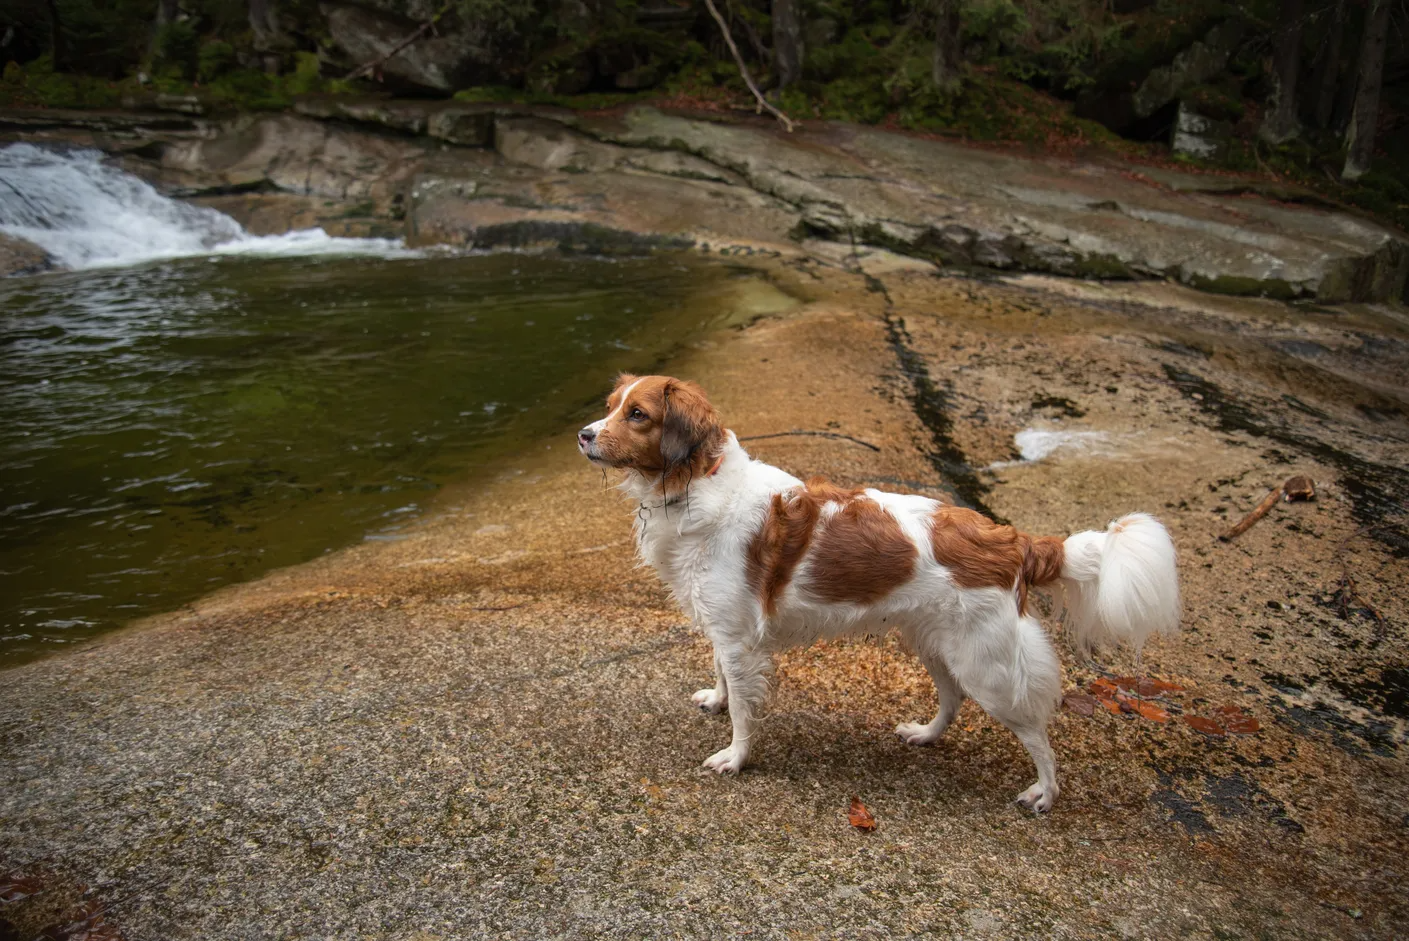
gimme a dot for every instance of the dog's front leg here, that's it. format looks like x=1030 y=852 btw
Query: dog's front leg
x=715 y=699
x=746 y=675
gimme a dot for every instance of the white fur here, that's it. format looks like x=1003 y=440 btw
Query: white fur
x=973 y=641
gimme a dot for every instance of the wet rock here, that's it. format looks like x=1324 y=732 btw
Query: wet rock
x=18 y=256
x=1199 y=136
x=737 y=179
x=548 y=145
x=185 y=104
x=294 y=155
x=464 y=127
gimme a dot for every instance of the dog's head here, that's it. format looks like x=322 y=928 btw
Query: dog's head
x=658 y=427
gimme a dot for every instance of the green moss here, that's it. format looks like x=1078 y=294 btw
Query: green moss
x=176 y=50
x=1219 y=102
x=37 y=85
x=1245 y=287
x=216 y=58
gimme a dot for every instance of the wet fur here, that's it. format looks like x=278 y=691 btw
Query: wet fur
x=762 y=562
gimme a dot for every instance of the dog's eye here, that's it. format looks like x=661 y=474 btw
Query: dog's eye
x=636 y=415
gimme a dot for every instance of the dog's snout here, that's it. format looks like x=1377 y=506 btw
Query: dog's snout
x=586 y=435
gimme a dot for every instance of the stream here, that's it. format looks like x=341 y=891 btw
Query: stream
x=192 y=406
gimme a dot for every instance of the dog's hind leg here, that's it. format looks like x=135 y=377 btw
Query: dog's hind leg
x=1008 y=666
x=715 y=699
x=746 y=672
x=951 y=697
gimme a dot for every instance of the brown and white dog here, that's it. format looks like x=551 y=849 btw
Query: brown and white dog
x=761 y=561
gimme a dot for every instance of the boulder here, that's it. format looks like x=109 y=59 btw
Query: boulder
x=1198 y=135
x=1194 y=66
x=18 y=256
x=453 y=58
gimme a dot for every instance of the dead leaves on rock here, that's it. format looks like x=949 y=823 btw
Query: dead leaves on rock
x=1226 y=720
x=859 y=816
x=15 y=887
x=84 y=922
x=1137 y=695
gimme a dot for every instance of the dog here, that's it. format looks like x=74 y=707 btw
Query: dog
x=761 y=562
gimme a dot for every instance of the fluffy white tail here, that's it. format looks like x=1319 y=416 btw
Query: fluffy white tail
x=1122 y=585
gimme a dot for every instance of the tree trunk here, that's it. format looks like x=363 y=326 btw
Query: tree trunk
x=1280 y=123
x=1360 y=139
x=944 y=67
x=58 y=52
x=787 y=42
x=1328 y=67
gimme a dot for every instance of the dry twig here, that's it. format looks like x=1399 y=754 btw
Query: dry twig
x=1294 y=488
x=763 y=104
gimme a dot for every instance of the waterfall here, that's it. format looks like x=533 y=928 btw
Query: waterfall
x=87 y=214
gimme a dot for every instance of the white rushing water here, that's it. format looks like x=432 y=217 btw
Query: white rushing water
x=1037 y=444
x=86 y=214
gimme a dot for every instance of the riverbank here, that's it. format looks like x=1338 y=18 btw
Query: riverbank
x=485 y=726
x=491 y=175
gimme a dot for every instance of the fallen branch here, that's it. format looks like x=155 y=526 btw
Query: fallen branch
x=787 y=122
x=1294 y=488
x=376 y=64
x=813 y=434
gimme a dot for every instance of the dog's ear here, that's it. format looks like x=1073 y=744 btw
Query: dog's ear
x=689 y=426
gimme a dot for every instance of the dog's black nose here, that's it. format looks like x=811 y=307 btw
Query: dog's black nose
x=586 y=435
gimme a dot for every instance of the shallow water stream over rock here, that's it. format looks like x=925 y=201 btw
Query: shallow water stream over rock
x=178 y=426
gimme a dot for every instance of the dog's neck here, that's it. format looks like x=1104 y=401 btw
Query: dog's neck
x=646 y=491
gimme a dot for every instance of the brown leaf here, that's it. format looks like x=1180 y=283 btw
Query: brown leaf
x=1236 y=721
x=1102 y=688
x=13 y=888
x=1210 y=727
x=1080 y=703
x=1145 y=686
x=859 y=816
x=1150 y=711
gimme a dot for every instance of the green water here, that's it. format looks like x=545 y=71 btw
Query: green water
x=172 y=428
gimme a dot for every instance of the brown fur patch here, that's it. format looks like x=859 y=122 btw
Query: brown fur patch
x=980 y=553
x=861 y=554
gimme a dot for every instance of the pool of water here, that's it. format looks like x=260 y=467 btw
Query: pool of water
x=178 y=426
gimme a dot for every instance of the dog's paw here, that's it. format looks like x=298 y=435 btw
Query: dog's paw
x=710 y=700
x=727 y=761
x=1038 y=799
x=918 y=733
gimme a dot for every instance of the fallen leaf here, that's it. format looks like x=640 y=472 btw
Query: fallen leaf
x=1236 y=721
x=859 y=816
x=15 y=888
x=1146 y=686
x=1150 y=711
x=1112 y=706
x=1102 y=687
x=1210 y=727
x=1080 y=703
